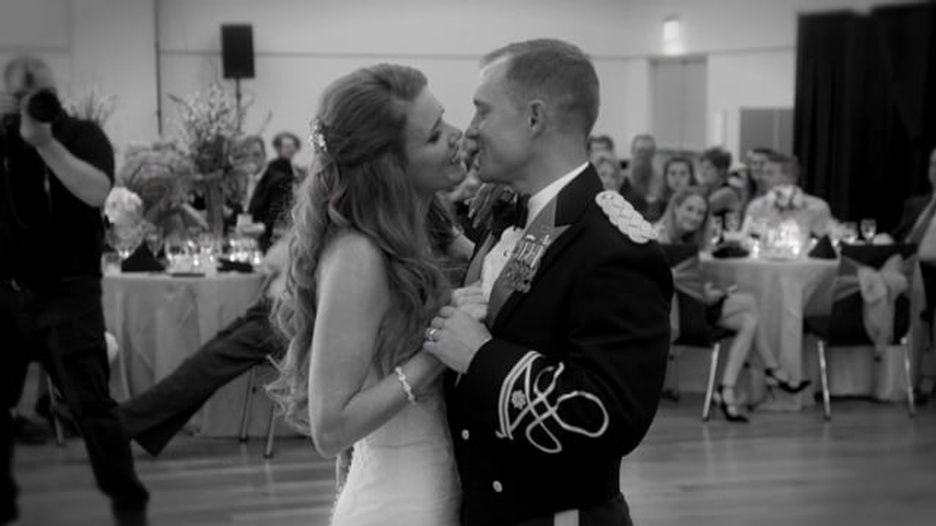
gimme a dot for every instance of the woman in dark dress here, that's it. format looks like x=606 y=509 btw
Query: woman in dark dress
x=685 y=222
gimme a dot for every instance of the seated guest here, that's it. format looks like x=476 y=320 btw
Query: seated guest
x=678 y=173
x=713 y=176
x=287 y=145
x=641 y=178
x=248 y=157
x=608 y=166
x=154 y=417
x=609 y=171
x=919 y=210
x=740 y=180
x=756 y=158
x=785 y=201
x=598 y=145
x=684 y=222
x=269 y=192
x=926 y=365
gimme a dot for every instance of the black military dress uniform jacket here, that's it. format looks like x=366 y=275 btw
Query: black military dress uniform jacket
x=571 y=380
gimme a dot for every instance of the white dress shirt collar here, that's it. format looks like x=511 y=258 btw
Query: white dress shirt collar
x=539 y=200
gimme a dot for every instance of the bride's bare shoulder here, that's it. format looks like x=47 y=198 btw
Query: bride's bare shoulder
x=353 y=256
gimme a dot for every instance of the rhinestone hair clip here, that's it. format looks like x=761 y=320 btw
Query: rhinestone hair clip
x=317 y=136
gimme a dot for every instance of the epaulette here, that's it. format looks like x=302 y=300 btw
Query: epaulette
x=625 y=217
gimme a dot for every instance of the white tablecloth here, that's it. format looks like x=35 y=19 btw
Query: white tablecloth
x=160 y=320
x=786 y=292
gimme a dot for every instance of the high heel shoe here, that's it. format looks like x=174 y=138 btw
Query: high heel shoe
x=729 y=410
x=670 y=394
x=771 y=379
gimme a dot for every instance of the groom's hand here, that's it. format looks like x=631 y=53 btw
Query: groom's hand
x=471 y=300
x=454 y=337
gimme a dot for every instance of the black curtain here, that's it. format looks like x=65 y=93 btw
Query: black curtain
x=865 y=116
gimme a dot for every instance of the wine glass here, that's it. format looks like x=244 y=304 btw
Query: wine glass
x=715 y=230
x=758 y=228
x=176 y=249
x=124 y=239
x=835 y=234
x=868 y=229
x=849 y=232
x=732 y=222
x=209 y=245
x=154 y=239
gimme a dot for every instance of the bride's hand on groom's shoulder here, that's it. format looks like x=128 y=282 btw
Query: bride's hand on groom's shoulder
x=471 y=300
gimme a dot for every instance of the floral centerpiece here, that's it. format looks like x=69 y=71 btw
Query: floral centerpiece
x=209 y=126
x=91 y=104
x=163 y=176
x=124 y=211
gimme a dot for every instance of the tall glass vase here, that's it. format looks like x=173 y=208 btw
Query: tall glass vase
x=214 y=207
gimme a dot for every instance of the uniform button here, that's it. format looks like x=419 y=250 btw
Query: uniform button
x=498 y=487
x=465 y=434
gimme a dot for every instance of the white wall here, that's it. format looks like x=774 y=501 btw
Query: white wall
x=303 y=44
x=750 y=44
x=105 y=44
x=757 y=79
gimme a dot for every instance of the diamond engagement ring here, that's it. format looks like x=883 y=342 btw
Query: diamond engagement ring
x=432 y=334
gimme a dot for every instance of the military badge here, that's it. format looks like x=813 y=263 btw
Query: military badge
x=625 y=217
x=525 y=259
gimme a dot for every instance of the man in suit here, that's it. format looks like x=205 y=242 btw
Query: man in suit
x=269 y=194
x=786 y=201
x=560 y=342
x=918 y=210
x=154 y=417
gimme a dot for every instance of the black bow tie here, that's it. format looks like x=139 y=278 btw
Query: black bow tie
x=513 y=213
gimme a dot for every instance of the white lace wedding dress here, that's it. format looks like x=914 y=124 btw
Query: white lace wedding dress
x=404 y=472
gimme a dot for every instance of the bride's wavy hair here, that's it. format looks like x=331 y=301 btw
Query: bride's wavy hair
x=358 y=182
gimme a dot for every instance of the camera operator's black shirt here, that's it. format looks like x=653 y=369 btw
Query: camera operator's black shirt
x=46 y=237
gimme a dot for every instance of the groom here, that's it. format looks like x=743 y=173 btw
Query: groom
x=564 y=376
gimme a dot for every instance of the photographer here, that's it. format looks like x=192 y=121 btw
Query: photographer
x=55 y=173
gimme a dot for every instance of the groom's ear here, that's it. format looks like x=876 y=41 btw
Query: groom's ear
x=536 y=116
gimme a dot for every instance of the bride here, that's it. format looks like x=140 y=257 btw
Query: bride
x=368 y=254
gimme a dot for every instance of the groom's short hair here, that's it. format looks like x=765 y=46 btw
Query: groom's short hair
x=557 y=72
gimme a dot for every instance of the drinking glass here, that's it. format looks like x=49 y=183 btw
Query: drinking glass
x=124 y=240
x=732 y=222
x=849 y=232
x=868 y=229
x=715 y=231
x=209 y=245
x=176 y=250
x=154 y=239
x=110 y=264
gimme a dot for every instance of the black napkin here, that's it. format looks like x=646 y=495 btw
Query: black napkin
x=226 y=265
x=823 y=249
x=141 y=261
x=729 y=250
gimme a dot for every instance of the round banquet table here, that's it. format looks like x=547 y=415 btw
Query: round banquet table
x=787 y=292
x=159 y=320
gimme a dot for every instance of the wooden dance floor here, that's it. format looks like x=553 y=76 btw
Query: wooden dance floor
x=872 y=465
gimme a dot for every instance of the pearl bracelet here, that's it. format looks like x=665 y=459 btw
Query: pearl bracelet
x=404 y=383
